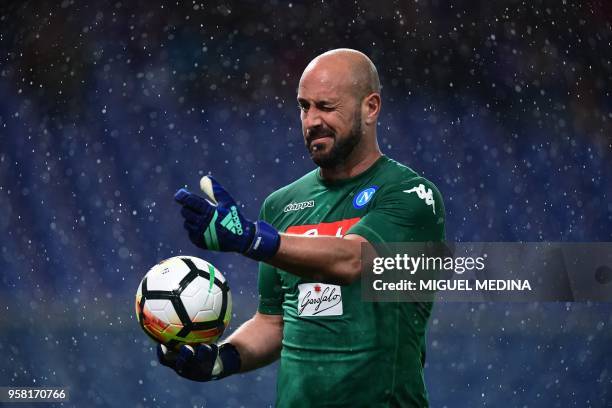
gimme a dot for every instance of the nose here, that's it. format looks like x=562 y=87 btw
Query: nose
x=311 y=118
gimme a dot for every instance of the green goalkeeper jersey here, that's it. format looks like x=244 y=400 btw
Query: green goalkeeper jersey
x=338 y=350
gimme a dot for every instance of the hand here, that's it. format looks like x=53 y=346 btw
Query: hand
x=215 y=223
x=205 y=362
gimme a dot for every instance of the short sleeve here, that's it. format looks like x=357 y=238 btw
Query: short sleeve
x=408 y=211
x=268 y=284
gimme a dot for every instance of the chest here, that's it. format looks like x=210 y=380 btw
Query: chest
x=323 y=211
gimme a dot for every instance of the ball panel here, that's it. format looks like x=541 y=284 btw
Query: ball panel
x=197 y=298
x=206 y=267
x=152 y=323
x=195 y=305
x=137 y=304
x=228 y=310
x=197 y=286
x=171 y=331
x=219 y=299
x=171 y=315
x=205 y=316
x=163 y=309
x=156 y=304
x=167 y=275
x=204 y=336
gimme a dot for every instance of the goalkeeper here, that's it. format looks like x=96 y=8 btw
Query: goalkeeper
x=334 y=348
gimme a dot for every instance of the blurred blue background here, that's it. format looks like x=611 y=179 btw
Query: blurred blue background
x=106 y=108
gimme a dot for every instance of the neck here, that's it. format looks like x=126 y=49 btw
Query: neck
x=358 y=162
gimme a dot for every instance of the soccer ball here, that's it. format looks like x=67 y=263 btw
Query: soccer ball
x=183 y=300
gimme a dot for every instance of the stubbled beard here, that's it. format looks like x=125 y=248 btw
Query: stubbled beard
x=341 y=148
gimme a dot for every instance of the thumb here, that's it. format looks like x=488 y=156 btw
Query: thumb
x=216 y=192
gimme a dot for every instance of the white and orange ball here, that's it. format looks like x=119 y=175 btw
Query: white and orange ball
x=183 y=300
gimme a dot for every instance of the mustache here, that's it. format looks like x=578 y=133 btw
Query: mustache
x=317 y=132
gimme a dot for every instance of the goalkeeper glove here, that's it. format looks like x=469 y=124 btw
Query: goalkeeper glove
x=205 y=362
x=215 y=223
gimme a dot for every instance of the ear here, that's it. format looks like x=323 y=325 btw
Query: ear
x=371 y=108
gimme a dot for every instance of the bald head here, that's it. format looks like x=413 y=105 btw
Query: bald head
x=339 y=100
x=346 y=68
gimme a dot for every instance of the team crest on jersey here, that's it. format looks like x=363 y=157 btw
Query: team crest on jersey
x=319 y=299
x=364 y=197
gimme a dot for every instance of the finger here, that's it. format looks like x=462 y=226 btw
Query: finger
x=184 y=360
x=205 y=352
x=181 y=195
x=191 y=216
x=216 y=192
x=206 y=359
x=196 y=238
x=191 y=227
x=165 y=356
x=194 y=232
x=198 y=204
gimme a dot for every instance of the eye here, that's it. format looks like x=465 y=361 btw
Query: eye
x=325 y=107
x=303 y=106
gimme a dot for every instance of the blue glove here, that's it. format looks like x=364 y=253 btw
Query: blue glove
x=205 y=362
x=215 y=223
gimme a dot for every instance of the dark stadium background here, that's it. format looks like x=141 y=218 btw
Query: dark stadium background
x=106 y=108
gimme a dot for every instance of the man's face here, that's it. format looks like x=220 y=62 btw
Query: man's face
x=331 y=117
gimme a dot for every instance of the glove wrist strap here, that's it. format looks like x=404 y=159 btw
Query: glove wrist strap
x=230 y=359
x=265 y=242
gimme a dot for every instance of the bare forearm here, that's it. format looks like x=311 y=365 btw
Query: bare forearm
x=259 y=341
x=322 y=258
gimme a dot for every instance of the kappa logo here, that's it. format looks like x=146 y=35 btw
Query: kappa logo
x=424 y=194
x=364 y=197
x=299 y=206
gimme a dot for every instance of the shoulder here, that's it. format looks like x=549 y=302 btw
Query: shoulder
x=396 y=176
x=410 y=192
x=393 y=170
